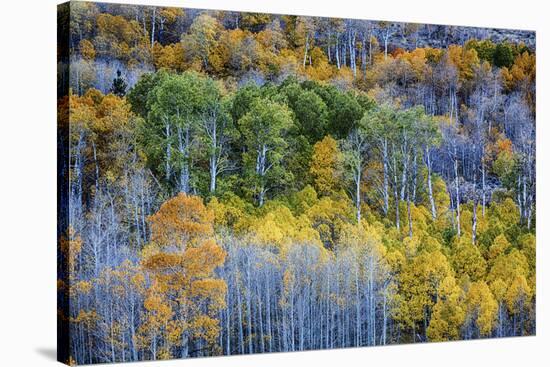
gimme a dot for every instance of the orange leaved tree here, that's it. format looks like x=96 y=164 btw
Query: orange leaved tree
x=184 y=295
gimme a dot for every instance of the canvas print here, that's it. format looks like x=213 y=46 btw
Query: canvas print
x=236 y=183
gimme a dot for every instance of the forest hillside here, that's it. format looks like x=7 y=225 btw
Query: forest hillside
x=244 y=183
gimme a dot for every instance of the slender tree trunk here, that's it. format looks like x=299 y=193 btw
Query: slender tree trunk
x=337 y=53
x=395 y=193
x=409 y=213
x=358 y=193
x=306 y=46
x=457 y=187
x=474 y=214
x=483 y=197
x=430 y=187
x=168 y=172
x=213 y=159
x=386 y=179
x=183 y=147
x=153 y=22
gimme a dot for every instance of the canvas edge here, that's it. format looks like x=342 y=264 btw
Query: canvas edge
x=63 y=83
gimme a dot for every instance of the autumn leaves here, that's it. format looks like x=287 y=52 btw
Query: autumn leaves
x=184 y=295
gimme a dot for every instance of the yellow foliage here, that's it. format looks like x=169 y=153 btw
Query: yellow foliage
x=518 y=294
x=280 y=227
x=467 y=260
x=328 y=217
x=464 y=59
x=420 y=280
x=481 y=303
x=499 y=247
x=448 y=313
x=326 y=163
x=87 y=49
x=508 y=266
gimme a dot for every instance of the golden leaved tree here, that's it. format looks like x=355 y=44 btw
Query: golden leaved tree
x=325 y=166
x=184 y=295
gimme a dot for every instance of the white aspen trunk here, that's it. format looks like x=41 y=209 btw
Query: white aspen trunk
x=370 y=48
x=213 y=158
x=344 y=51
x=395 y=193
x=358 y=193
x=430 y=187
x=184 y=173
x=405 y=170
x=153 y=21
x=409 y=213
x=474 y=214
x=483 y=198
x=351 y=43
x=385 y=165
x=357 y=309
x=213 y=169
x=531 y=190
x=364 y=57
x=261 y=170
x=384 y=320
x=186 y=159
x=328 y=47
x=248 y=306
x=520 y=204
x=524 y=196
x=337 y=53
x=457 y=194
x=414 y=178
x=168 y=150
x=240 y=315
x=306 y=46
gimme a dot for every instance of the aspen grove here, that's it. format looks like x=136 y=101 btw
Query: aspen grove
x=247 y=183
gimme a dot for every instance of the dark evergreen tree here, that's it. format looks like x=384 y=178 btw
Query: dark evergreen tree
x=119 y=85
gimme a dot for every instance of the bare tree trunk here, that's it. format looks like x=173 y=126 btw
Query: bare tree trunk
x=168 y=172
x=430 y=187
x=386 y=179
x=337 y=53
x=213 y=157
x=183 y=148
x=457 y=193
x=483 y=199
x=370 y=48
x=358 y=194
x=364 y=57
x=153 y=21
x=261 y=162
x=474 y=214
x=395 y=193
x=306 y=46
x=409 y=213
x=328 y=47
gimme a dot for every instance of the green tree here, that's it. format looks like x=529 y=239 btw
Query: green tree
x=503 y=56
x=310 y=112
x=138 y=96
x=263 y=128
x=178 y=105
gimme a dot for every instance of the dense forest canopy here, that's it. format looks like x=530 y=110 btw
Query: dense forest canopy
x=244 y=183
